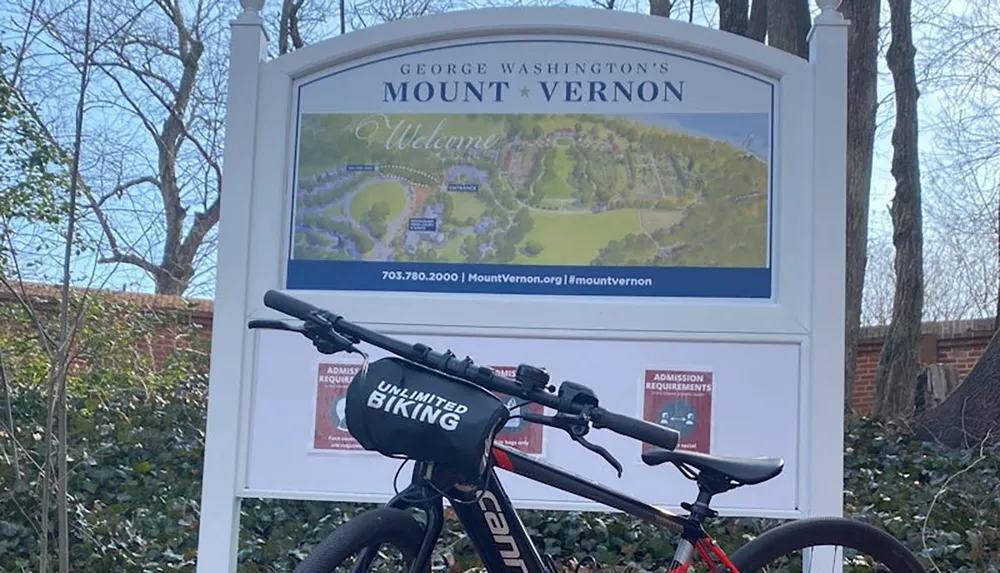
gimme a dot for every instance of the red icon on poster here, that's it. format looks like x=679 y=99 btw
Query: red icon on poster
x=681 y=400
x=331 y=399
x=518 y=433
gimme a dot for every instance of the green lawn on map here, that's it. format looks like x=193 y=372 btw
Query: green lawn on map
x=553 y=183
x=334 y=212
x=577 y=239
x=387 y=191
x=653 y=221
x=451 y=252
x=466 y=206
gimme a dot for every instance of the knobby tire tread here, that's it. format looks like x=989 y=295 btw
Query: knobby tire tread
x=378 y=526
x=821 y=531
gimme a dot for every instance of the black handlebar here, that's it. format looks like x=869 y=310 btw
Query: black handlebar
x=345 y=333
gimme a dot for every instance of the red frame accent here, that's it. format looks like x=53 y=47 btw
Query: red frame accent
x=707 y=548
x=502 y=459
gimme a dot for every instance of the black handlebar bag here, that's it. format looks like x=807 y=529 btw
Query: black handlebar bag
x=399 y=408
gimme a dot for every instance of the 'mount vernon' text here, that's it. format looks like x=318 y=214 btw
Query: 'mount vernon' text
x=556 y=90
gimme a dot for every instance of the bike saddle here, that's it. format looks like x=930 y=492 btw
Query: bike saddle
x=745 y=471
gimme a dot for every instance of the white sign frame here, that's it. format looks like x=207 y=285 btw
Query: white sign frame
x=807 y=303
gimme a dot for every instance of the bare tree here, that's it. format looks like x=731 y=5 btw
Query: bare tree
x=862 y=106
x=62 y=351
x=963 y=184
x=880 y=281
x=784 y=24
x=742 y=18
x=58 y=342
x=372 y=12
x=951 y=288
x=298 y=23
x=288 y=26
x=157 y=63
x=661 y=7
x=788 y=25
x=895 y=383
x=158 y=152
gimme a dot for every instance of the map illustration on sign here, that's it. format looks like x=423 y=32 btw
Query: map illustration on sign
x=331 y=431
x=645 y=191
x=518 y=433
x=682 y=401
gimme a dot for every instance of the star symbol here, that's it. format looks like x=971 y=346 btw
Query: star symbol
x=525 y=92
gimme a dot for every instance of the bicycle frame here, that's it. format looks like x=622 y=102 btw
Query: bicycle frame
x=499 y=536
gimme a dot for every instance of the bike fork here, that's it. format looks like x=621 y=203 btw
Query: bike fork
x=707 y=549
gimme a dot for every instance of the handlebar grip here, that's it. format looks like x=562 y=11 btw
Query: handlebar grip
x=289 y=305
x=641 y=430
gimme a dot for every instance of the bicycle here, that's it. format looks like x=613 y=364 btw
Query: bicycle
x=486 y=512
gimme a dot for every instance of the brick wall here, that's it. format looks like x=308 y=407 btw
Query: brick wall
x=959 y=342
x=172 y=335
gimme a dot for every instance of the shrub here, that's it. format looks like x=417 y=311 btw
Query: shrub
x=137 y=444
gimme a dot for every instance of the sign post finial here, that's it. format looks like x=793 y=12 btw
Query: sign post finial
x=252 y=7
x=829 y=11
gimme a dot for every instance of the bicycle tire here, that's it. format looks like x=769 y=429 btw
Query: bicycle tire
x=795 y=536
x=383 y=525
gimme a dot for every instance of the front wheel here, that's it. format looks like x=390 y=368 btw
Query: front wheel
x=862 y=548
x=394 y=528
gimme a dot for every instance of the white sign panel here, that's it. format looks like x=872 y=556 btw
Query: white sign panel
x=650 y=208
x=299 y=448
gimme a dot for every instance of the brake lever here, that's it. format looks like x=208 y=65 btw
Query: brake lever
x=600 y=450
x=329 y=341
x=577 y=427
x=324 y=338
x=272 y=324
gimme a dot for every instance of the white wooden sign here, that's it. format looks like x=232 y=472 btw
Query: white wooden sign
x=648 y=207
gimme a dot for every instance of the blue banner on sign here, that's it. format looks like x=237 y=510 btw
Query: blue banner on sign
x=423 y=224
x=530 y=279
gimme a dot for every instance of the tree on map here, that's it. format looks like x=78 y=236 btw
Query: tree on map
x=422 y=255
x=533 y=248
x=377 y=219
x=633 y=249
x=506 y=252
x=318 y=239
x=507 y=242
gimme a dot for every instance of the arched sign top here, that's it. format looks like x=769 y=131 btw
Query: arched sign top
x=670 y=36
x=535 y=164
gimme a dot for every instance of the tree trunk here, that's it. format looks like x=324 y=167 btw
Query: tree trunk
x=174 y=275
x=661 y=8
x=757 y=27
x=737 y=17
x=862 y=106
x=996 y=321
x=972 y=412
x=734 y=16
x=895 y=383
x=788 y=25
x=62 y=483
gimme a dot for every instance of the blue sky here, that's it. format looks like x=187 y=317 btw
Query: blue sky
x=882 y=183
